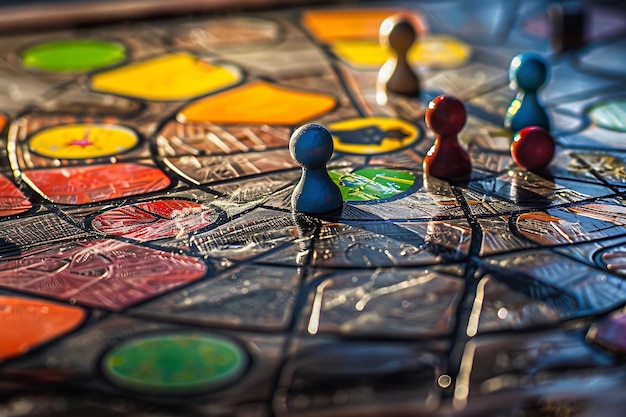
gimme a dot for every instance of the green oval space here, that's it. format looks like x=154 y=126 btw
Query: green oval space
x=180 y=363
x=370 y=184
x=73 y=55
x=610 y=114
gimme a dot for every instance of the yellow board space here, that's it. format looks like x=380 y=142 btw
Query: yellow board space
x=258 y=103
x=442 y=51
x=82 y=141
x=166 y=78
x=337 y=25
x=394 y=134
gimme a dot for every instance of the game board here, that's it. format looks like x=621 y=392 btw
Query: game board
x=151 y=265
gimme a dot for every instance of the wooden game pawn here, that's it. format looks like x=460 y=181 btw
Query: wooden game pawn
x=532 y=148
x=397 y=34
x=311 y=146
x=447 y=160
x=528 y=72
x=568 y=25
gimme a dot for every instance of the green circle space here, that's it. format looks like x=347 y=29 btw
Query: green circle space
x=368 y=184
x=182 y=363
x=610 y=114
x=73 y=55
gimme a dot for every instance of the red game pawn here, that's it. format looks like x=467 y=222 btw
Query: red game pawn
x=532 y=148
x=446 y=116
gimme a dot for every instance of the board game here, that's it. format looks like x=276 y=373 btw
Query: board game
x=151 y=264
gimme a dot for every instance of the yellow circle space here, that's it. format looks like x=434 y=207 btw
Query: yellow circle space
x=169 y=77
x=442 y=51
x=384 y=124
x=82 y=141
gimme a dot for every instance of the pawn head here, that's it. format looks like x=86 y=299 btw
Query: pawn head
x=446 y=115
x=528 y=71
x=532 y=147
x=397 y=33
x=311 y=146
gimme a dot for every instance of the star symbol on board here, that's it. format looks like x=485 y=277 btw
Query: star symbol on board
x=84 y=142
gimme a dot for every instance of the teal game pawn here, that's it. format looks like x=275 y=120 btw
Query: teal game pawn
x=528 y=72
x=311 y=146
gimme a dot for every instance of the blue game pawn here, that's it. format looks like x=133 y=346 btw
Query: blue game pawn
x=311 y=146
x=528 y=72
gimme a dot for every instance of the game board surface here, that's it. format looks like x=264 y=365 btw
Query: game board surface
x=151 y=265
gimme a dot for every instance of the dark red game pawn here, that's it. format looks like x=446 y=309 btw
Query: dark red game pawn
x=532 y=148
x=447 y=160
